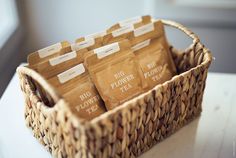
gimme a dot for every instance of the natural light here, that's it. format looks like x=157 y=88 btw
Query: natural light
x=9 y=20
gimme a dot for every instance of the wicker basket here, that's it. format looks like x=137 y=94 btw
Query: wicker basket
x=128 y=130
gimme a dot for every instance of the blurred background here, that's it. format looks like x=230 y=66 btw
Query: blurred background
x=29 y=25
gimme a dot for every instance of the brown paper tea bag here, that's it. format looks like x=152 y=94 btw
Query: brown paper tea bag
x=115 y=73
x=60 y=63
x=118 y=35
x=153 y=61
x=121 y=33
x=96 y=35
x=48 y=52
x=151 y=37
x=87 y=43
x=79 y=91
x=151 y=48
x=136 y=21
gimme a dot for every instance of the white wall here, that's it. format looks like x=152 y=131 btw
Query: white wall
x=48 y=22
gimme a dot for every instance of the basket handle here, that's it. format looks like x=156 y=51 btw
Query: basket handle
x=182 y=28
x=40 y=86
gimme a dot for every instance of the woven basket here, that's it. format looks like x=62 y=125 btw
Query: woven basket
x=128 y=130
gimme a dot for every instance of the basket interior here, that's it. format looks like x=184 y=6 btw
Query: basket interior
x=182 y=59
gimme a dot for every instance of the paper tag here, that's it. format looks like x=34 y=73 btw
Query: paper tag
x=95 y=35
x=143 y=29
x=71 y=73
x=122 y=30
x=84 y=44
x=107 y=50
x=49 y=50
x=141 y=45
x=130 y=21
x=62 y=58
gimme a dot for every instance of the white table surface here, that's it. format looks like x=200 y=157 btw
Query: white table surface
x=212 y=135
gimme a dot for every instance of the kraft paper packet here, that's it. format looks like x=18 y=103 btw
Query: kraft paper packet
x=121 y=33
x=150 y=46
x=96 y=35
x=87 y=43
x=78 y=90
x=60 y=63
x=115 y=72
x=154 y=62
x=136 y=21
x=118 y=35
x=48 y=52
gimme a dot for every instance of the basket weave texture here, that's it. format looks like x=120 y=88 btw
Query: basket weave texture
x=128 y=130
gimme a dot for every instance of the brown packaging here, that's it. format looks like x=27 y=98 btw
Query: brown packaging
x=154 y=62
x=79 y=91
x=48 y=52
x=152 y=51
x=151 y=48
x=63 y=62
x=118 y=35
x=115 y=72
x=60 y=63
x=87 y=43
x=96 y=35
x=136 y=21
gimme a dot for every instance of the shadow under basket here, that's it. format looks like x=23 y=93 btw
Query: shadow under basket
x=128 y=130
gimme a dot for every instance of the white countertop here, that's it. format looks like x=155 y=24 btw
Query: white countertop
x=212 y=135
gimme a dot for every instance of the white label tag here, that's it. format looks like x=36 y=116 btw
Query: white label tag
x=130 y=21
x=107 y=50
x=71 y=73
x=62 y=58
x=49 y=50
x=143 y=29
x=84 y=44
x=141 y=45
x=122 y=30
x=95 y=35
